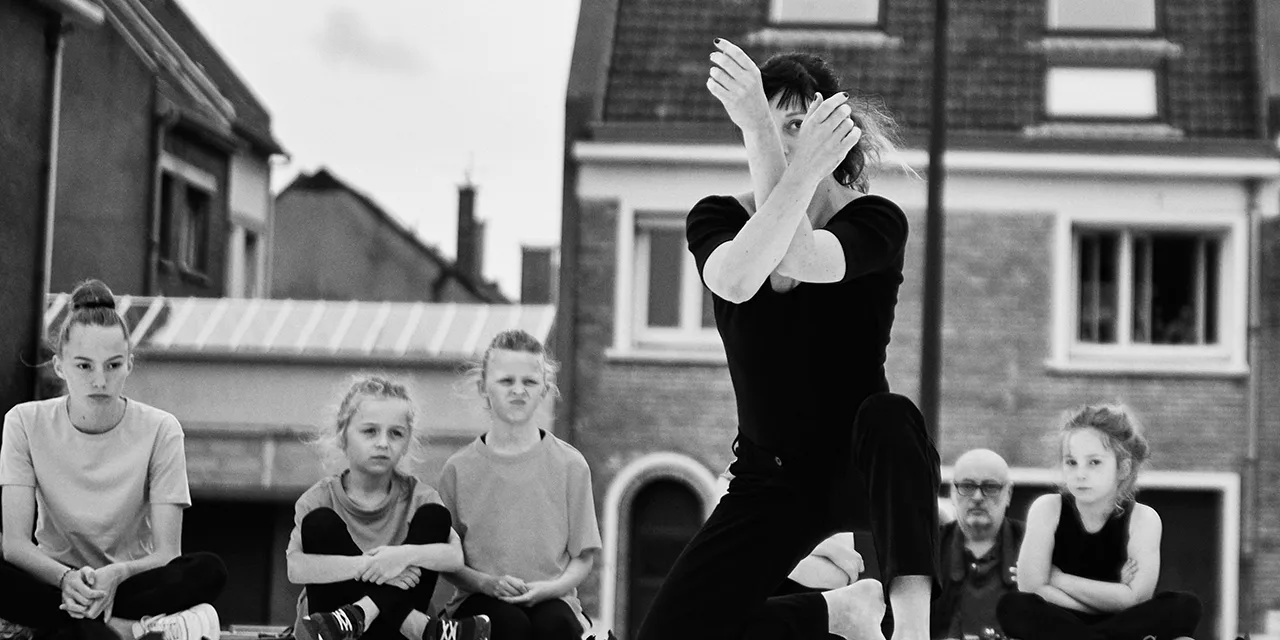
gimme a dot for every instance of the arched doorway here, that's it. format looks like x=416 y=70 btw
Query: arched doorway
x=664 y=516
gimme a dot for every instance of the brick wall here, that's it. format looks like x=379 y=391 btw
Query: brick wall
x=1266 y=561
x=997 y=391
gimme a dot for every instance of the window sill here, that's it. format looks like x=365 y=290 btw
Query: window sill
x=1122 y=367
x=185 y=273
x=674 y=355
x=870 y=38
x=1104 y=130
x=1138 y=51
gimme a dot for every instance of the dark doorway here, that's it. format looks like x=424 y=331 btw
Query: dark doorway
x=664 y=517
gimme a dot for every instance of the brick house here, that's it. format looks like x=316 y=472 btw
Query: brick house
x=1109 y=178
x=336 y=243
x=159 y=156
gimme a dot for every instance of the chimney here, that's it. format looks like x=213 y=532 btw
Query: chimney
x=470 y=234
x=538 y=275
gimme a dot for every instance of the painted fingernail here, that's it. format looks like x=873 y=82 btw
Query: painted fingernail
x=717 y=41
x=844 y=94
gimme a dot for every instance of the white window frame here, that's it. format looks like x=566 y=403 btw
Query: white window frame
x=1227 y=357
x=690 y=332
x=778 y=15
x=632 y=338
x=237 y=281
x=187 y=175
x=1051 y=13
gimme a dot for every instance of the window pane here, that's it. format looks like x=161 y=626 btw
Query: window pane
x=708 y=308
x=252 y=287
x=1079 y=92
x=1141 y=288
x=666 y=248
x=1183 y=289
x=1098 y=287
x=827 y=11
x=196 y=246
x=1102 y=15
x=169 y=209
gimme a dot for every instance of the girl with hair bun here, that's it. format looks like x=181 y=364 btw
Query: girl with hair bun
x=804 y=272
x=1090 y=558
x=370 y=541
x=101 y=481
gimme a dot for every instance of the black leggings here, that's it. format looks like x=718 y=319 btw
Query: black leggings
x=185 y=582
x=547 y=620
x=776 y=512
x=1168 y=615
x=324 y=533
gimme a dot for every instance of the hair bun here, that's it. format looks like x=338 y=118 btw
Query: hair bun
x=92 y=294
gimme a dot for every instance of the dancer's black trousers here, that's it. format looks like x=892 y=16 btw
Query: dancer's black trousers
x=184 y=582
x=324 y=533
x=777 y=510
x=548 y=620
x=1168 y=615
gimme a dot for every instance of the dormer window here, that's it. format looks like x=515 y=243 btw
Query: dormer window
x=1102 y=16
x=1102 y=93
x=827 y=13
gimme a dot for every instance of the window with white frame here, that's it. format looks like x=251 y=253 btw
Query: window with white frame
x=186 y=214
x=827 y=12
x=245 y=263
x=1136 y=16
x=1144 y=288
x=671 y=306
x=1102 y=93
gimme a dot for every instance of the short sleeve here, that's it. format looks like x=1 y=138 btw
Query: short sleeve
x=712 y=222
x=447 y=491
x=15 y=453
x=872 y=232
x=167 y=482
x=424 y=493
x=584 y=531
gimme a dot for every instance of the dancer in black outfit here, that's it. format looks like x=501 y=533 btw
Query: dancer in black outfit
x=805 y=276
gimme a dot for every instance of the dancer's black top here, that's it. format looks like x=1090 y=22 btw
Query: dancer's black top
x=1097 y=556
x=802 y=361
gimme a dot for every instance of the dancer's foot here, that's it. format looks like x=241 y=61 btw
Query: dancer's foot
x=472 y=628
x=854 y=612
x=345 y=623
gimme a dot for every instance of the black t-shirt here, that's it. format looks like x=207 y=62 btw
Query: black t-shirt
x=1097 y=556
x=802 y=361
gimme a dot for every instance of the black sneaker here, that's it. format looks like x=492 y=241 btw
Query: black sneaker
x=472 y=628
x=346 y=623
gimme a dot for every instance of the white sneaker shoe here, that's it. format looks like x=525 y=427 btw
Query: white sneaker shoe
x=200 y=621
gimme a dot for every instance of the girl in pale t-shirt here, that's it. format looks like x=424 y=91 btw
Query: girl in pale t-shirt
x=101 y=479
x=521 y=500
x=369 y=541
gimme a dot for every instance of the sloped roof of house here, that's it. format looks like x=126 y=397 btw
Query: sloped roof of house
x=192 y=75
x=252 y=120
x=655 y=59
x=317 y=329
x=323 y=180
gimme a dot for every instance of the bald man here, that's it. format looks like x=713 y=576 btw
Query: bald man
x=979 y=548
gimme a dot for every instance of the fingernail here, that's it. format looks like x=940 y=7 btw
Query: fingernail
x=717 y=41
x=844 y=94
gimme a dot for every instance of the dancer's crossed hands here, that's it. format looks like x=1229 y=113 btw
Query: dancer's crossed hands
x=827 y=135
x=735 y=81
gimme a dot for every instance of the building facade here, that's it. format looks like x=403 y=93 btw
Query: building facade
x=134 y=153
x=336 y=243
x=1108 y=178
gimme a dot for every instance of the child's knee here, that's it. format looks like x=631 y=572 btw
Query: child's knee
x=430 y=523
x=509 y=622
x=557 y=623
x=1186 y=608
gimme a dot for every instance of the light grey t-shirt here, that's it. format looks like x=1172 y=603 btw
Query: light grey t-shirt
x=94 y=490
x=525 y=515
x=383 y=524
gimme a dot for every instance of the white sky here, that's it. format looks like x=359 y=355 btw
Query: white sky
x=400 y=97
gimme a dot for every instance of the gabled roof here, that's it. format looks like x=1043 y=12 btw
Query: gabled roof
x=657 y=62
x=323 y=180
x=193 y=75
x=388 y=332
x=252 y=120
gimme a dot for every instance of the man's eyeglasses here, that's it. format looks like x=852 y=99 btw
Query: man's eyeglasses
x=989 y=489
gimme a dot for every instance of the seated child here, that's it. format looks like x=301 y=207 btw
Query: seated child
x=369 y=542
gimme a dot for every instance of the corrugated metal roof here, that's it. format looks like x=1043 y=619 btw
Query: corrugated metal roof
x=317 y=328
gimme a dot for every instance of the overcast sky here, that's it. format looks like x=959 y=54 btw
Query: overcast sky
x=400 y=97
